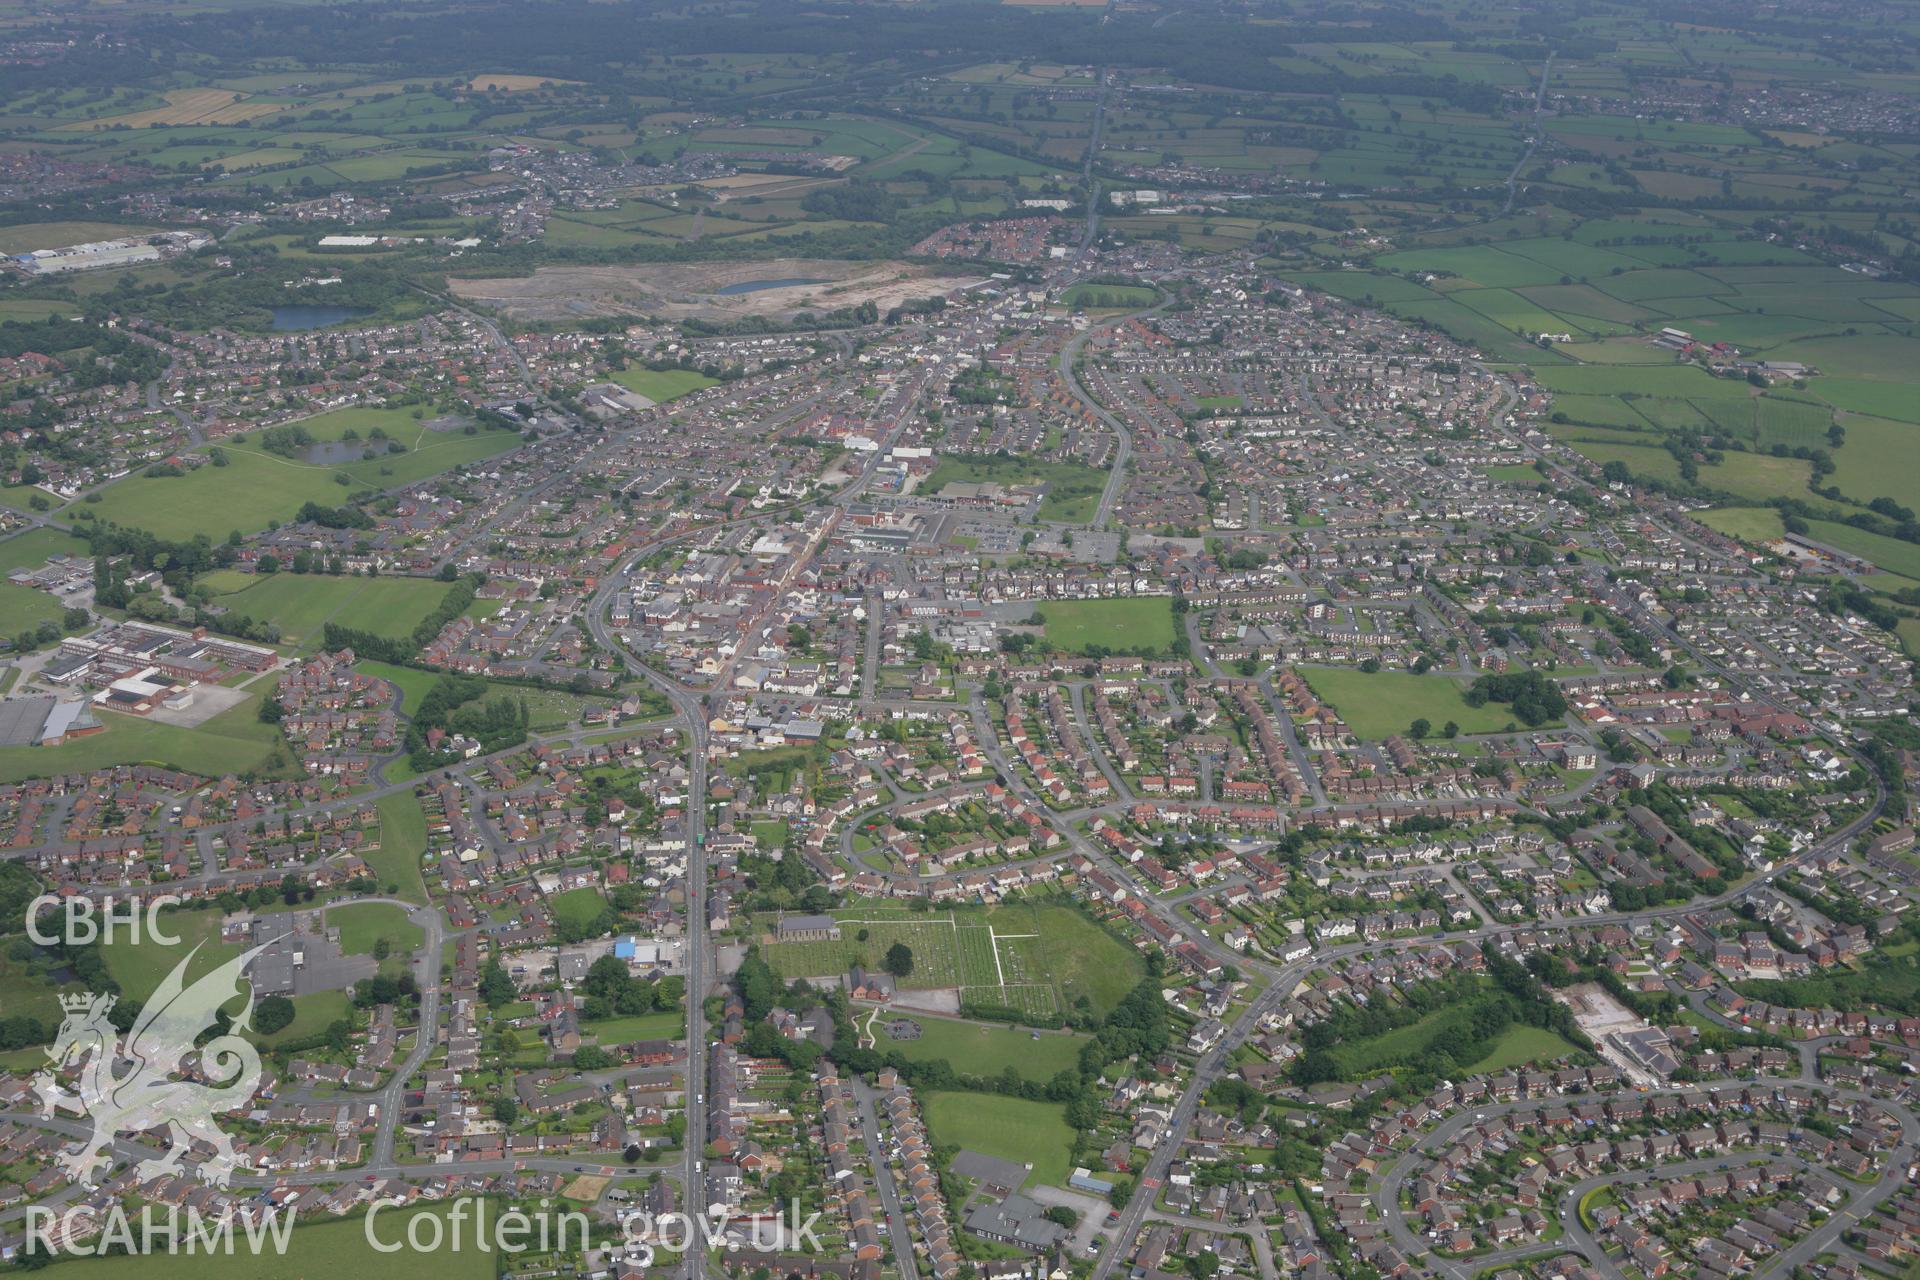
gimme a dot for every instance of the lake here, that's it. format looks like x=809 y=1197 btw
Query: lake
x=291 y=319
x=755 y=286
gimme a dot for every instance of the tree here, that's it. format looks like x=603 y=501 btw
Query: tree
x=496 y=988
x=899 y=961
x=506 y=1110
x=1420 y=728
x=275 y=1013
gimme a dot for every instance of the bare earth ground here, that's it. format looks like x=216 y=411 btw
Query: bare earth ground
x=679 y=291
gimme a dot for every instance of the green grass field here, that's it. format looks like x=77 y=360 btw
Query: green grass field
x=235 y=741
x=1520 y=1045
x=363 y=925
x=28 y=995
x=1890 y=554
x=1142 y=624
x=139 y=966
x=1386 y=702
x=1072 y=490
x=23 y=608
x=312 y=1014
x=302 y=604
x=1030 y=1133
x=1111 y=297
x=403 y=838
x=338 y=1248
x=1749 y=524
x=1031 y=956
x=983 y=1049
x=578 y=906
x=257 y=488
x=659 y=385
x=666 y=1024
x=25 y=237
x=29 y=550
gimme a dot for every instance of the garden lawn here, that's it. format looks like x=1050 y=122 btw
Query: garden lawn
x=1029 y=1133
x=1143 y=624
x=1387 y=702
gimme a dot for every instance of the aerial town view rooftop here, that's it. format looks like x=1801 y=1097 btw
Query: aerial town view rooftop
x=959 y=640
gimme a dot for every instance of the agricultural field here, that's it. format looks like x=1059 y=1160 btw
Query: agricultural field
x=1146 y=624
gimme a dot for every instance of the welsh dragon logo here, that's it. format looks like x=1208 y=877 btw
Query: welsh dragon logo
x=128 y=1085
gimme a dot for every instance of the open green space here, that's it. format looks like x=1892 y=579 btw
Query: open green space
x=302 y=604
x=1749 y=524
x=336 y=1248
x=140 y=964
x=1034 y=1134
x=1143 y=624
x=1071 y=491
x=403 y=839
x=234 y=742
x=1033 y=956
x=579 y=907
x=980 y=1048
x=1522 y=1045
x=32 y=548
x=665 y=1024
x=1384 y=703
x=257 y=488
x=661 y=385
x=1108 y=297
x=364 y=925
